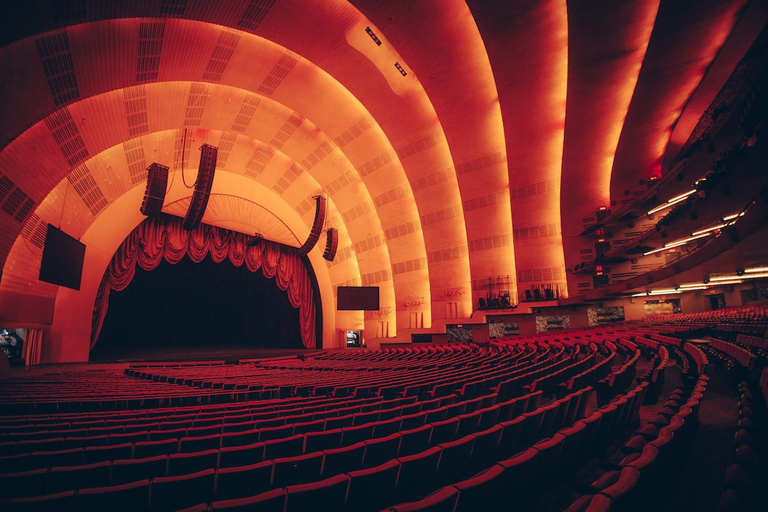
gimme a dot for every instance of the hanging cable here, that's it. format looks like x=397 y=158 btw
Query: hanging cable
x=183 y=153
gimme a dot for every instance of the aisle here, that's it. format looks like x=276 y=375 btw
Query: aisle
x=700 y=482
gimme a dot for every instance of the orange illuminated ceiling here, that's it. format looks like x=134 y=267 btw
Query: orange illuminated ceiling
x=456 y=140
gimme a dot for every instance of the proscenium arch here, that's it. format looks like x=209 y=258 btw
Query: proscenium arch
x=445 y=251
x=112 y=178
x=70 y=333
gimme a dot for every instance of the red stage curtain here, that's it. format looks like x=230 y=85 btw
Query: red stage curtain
x=164 y=238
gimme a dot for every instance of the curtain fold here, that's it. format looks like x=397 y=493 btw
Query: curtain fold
x=163 y=238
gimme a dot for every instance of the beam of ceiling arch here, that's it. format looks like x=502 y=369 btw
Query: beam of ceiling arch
x=527 y=45
x=445 y=250
x=110 y=172
x=686 y=37
x=606 y=46
x=452 y=62
x=745 y=31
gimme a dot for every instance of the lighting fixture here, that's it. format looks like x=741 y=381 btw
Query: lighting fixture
x=671 y=202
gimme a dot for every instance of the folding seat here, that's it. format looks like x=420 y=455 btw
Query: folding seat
x=489 y=416
x=240 y=426
x=270 y=433
x=22 y=484
x=443 y=500
x=203 y=431
x=152 y=448
x=438 y=414
x=385 y=428
x=444 y=431
x=517 y=478
x=235 y=456
x=174 y=434
x=107 y=453
x=198 y=444
x=125 y=471
x=133 y=496
x=511 y=439
x=549 y=418
x=622 y=492
x=318 y=441
x=329 y=494
x=372 y=488
x=572 y=445
x=480 y=492
x=468 y=423
x=380 y=450
x=508 y=409
x=270 y=501
x=175 y=425
x=60 y=502
x=407 y=410
x=605 y=429
x=8 y=448
x=185 y=463
x=42 y=445
x=455 y=459
x=130 y=437
x=297 y=470
x=142 y=427
x=339 y=422
x=417 y=472
x=239 y=482
x=309 y=426
x=82 y=442
x=343 y=460
x=485 y=449
x=177 y=492
x=71 y=457
x=412 y=421
x=388 y=414
x=352 y=435
x=549 y=465
x=287 y=447
x=455 y=409
x=74 y=477
x=239 y=438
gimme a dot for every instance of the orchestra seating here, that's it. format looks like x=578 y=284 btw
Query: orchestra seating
x=592 y=414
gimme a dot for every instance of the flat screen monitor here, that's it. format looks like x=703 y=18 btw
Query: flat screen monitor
x=357 y=298
x=62 y=262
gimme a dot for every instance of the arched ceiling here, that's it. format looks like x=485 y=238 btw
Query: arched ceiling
x=457 y=140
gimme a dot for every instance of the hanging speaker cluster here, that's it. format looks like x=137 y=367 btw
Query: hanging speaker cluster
x=154 y=194
x=331 y=244
x=317 y=226
x=203 y=186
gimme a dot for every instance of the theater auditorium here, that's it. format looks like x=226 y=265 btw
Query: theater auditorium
x=384 y=255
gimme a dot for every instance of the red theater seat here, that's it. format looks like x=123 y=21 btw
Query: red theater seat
x=417 y=471
x=329 y=494
x=443 y=500
x=343 y=460
x=69 y=478
x=297 y=470
x=128 y=497
x=177 y=492
x=240 y=482
x=372 y=488
x=125 y=471
x=271 y=501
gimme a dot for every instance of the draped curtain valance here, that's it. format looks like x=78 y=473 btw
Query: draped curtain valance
x=161 y=238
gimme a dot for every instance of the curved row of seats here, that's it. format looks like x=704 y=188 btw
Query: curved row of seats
x=743 y=478
x=656 y=451
x=228 y=483
x=521 y=477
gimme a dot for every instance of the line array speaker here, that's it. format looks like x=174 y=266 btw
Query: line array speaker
x=317 y=226
x=331 y=244
x=203 y=186
x=154 y=194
